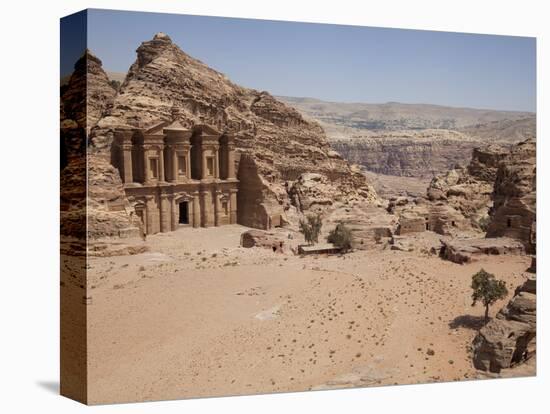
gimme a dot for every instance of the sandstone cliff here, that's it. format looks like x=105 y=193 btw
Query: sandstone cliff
x=276 y=142
x=514 y=211
x=469 y=190
x=93 y=202
x=407 y=153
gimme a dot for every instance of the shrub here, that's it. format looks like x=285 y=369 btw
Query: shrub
x=114 y=84
x=341 y=236
x=311 y=227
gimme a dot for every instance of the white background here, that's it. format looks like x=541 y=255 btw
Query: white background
x=29 y=56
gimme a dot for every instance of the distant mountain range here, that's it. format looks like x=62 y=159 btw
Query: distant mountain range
x=338 y=117
x=415 y=140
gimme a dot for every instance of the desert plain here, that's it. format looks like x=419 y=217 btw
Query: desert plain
x=198 y=315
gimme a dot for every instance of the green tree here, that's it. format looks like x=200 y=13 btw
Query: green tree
x=114 y=84
x=483 y=223
x=311 y=227
x=487 y=290
x=341 y=236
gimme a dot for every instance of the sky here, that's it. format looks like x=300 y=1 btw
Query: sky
x=333 y=62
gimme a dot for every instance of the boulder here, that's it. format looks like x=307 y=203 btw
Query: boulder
x=465 y=250
x=502 y=344
x=265 y=239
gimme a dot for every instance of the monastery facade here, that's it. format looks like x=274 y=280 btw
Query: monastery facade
x=176 y=177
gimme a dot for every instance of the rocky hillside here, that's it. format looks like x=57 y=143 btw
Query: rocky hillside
x=397 y=116
x=412 y=140
x=277 y=143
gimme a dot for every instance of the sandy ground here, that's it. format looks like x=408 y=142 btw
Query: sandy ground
x=200 y=316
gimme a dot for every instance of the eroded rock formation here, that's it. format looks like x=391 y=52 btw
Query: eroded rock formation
x=469 y=190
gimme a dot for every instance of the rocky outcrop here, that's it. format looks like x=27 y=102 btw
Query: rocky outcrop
x=510 y=338
x=469 y=190
x=407 y=153
x=275 y=143
x=101 y=93
x=514 y=211
x=314 y=191
x=88 y=94
x=93 y=202
x=466 y=250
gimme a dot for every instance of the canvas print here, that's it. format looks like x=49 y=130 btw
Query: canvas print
x=253 y=206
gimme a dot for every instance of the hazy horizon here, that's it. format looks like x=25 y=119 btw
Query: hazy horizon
x=336 y=63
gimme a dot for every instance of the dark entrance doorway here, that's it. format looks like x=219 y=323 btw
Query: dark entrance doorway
x=184 y=213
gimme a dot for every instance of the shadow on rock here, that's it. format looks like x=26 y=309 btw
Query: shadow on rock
x=467 y=321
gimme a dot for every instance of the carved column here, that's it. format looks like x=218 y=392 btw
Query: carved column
x=233 y=206
x=216 y=162
x=188 y=162
x=174 y=212
x=196 y=210
x=149 y=213
x=127 y=163
x=164 y=214
x=146 y=174
x=174 y=164
x=207 y=216
x=217 y=208
x=161 y=164
x=204 y=171
x=231 y=161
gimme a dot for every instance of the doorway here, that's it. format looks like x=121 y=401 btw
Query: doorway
x=184 y=212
